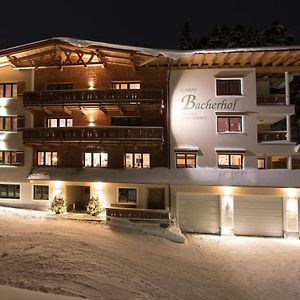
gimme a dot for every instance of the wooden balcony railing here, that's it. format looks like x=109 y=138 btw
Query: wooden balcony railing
x=91 y=134
x=91 y=97
x=271 y=100
x=270 y=136
x=137 y=214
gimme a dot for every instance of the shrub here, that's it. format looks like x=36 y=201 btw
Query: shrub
x=94 y=206
x=58 y=204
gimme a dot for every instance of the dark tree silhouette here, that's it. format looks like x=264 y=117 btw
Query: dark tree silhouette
x=239 y=36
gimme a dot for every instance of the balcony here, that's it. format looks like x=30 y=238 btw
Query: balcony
x=91 y=97
x=278 y=99
x=109 y=134
x=271 y=136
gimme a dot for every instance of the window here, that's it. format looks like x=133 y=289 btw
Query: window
x=127 y=195
x=46 y=158
x=229 y=87
x=59 y=86
x=185 y=160
x=11 y=191
x=230 y=161
x=41 y=192
x=229 y=124
x=8 y=90
x=137 y=160
x=96 y=159
x=261 y=163
x=12 y=158
x=126 y=85
x=60 y=122
x=8 y=123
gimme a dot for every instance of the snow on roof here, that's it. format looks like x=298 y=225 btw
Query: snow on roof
x=173 y=54
x=187 y=148
x=230 y=149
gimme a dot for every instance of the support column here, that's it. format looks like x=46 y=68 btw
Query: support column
x=290 y=209
x=288 y=128
x=287 y=88
x=226 y=214
x=290 y=162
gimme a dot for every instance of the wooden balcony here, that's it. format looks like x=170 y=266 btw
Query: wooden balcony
x=271 y=136
x=271 y=100
x=91 y=97
x=137 y=214
x=109 y=134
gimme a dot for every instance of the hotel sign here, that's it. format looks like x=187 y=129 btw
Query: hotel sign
x=190 y=102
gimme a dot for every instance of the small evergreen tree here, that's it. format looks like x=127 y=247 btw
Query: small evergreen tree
x=58 y=204
x=94 y=206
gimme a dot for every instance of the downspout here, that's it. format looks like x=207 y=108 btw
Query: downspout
x=168 y=128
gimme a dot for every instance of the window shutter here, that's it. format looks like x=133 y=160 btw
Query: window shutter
x=20 y=122
x=20 y=158
x=20 y=88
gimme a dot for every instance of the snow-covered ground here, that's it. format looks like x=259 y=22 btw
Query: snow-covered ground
x=90 y=260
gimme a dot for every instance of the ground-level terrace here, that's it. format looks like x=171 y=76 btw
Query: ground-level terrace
x=241 y=202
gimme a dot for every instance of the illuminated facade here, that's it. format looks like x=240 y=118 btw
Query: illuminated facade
x=152 y=132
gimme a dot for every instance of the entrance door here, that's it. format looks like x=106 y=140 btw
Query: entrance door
x=77 y=197
x=156 y=198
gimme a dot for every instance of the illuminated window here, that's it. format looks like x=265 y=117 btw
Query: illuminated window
x=8 y=123
x=8 y=90
x=126 y=85
x=96 y=159
x=137 y=160
x=47 y=158
x=127 y=195
x=229 y=124
x=185 y=160
x=230 y=161
x=12 y=158
x=60 y=122
x=261 y=163
x=11 y=191
x=41 y=192
x=229 y=87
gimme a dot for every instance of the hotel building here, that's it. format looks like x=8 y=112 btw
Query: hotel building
x=156 y=134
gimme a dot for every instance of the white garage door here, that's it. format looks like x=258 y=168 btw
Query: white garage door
x=258 y=215
x=198 y=213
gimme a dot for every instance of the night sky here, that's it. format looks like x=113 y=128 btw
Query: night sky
x=153 y=23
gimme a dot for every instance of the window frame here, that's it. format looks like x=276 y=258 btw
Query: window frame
x=228 y=79
x=16 y=190
x=229 y=116
x=230 y=166
x=264 y=163
x=11 y=154
x=92 y=159
x=127 y=202
x=58 y=122
x=128 y=83
x=44 y=159
x=185 y=159
x=134 y=162
x=3 y=88
x=42 y=193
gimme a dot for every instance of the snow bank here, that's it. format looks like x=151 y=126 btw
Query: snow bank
x=12 y=293
x=172 y=233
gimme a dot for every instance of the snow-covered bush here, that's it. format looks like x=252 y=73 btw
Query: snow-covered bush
x=94 y=206
x=58 y=204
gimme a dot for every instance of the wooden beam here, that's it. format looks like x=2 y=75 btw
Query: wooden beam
x=83 y=110
x=66 y=110
x=222 y=58
x=246 y=57
x=146 y=61
x=281 y=57
x=278 y=69
x=201 y=59
x=120 y=109
x=267 y=58
x=211 y=58
x=233 y=58
x=191 y=61
x=292 y=59
x=47 y=110
x=255 y=59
